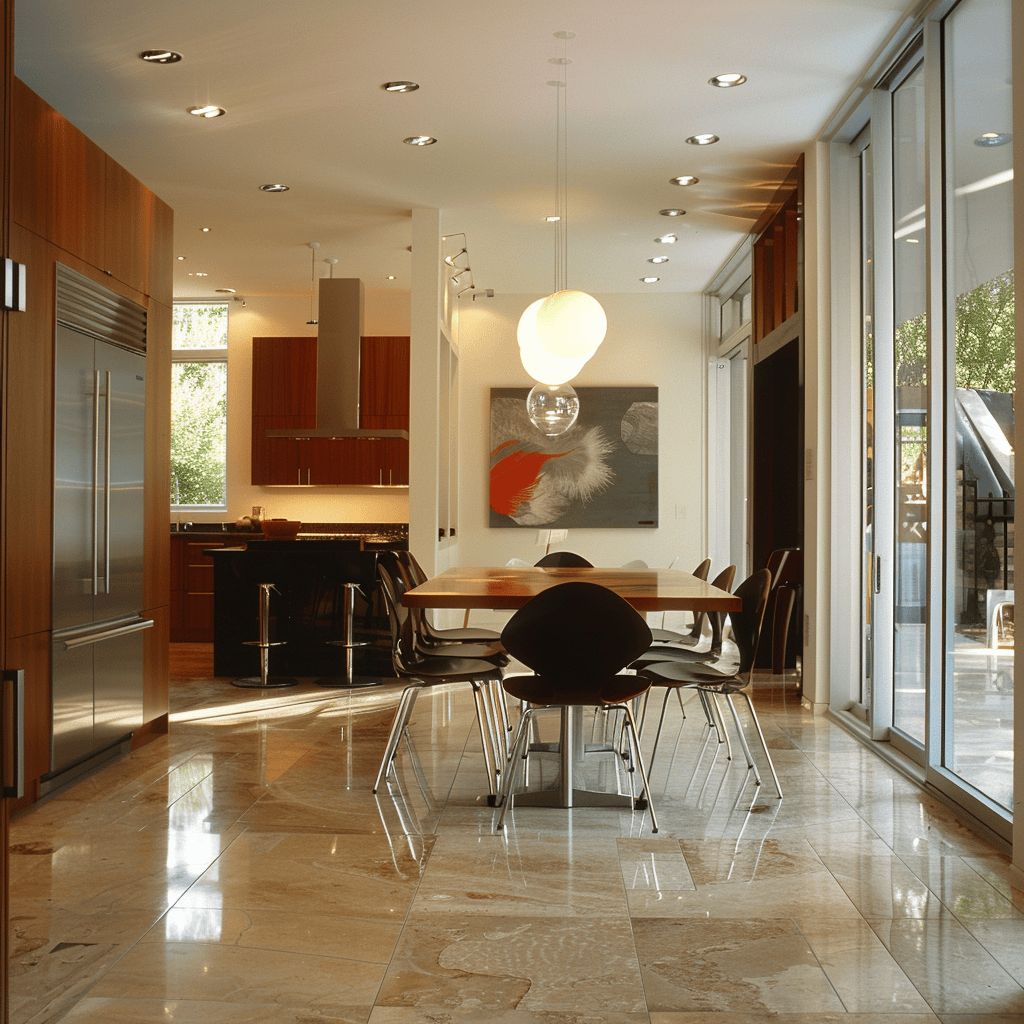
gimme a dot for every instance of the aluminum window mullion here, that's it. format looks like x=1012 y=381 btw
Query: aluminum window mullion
x=941 y=425
x=884 y=414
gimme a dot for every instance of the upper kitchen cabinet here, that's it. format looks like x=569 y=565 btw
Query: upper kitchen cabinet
x=65 y=189
x=284 y=399
x=384 y=383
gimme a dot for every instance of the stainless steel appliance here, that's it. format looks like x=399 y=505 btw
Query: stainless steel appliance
x=99 y=439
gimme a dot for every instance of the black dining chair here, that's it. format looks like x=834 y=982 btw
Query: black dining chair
x=569 y=559
x=420 y=671
x=431 y=636
x=727 y=679
x=660 y=635
x=576 y=637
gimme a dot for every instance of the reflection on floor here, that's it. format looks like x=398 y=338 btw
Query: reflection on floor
x=241 y=870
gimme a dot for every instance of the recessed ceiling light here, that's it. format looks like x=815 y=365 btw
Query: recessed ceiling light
x=684 y=179
x=419 y=140
x=551 y=220
x=182 y=257
x=672 y=213
x=160 y=56
x=658 y=259
x=274 y=188
x=993 y=139
x=727 y=81
x=207 y=111
x=650 y=280
x=667 y=239
x=399 y=86
x=391 y=277
x=205 y=231
x=702 y=140
x=225 y=291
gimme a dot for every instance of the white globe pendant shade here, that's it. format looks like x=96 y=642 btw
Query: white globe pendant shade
x=548 y=369
x=526 y=332
x=569 y=324
x=552 y=410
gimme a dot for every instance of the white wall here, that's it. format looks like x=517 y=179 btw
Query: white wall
x=386 y=313
x=652 y=340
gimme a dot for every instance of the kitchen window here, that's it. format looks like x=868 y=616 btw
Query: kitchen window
x=199 y=392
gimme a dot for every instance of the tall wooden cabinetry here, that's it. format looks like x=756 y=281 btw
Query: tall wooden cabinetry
x=284 y=398
x=72 y=204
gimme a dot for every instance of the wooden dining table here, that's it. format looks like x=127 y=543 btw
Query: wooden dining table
x=510 y=587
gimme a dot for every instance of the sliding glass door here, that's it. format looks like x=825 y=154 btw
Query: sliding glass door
x=937 y=382
x=978 y=626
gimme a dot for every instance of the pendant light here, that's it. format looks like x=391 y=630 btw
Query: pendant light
x=559 y=333
x=312 y=281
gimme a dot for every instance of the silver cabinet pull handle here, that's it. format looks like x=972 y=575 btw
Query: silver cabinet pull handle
x=13 y=714
x=106 y=497
x=95 y=480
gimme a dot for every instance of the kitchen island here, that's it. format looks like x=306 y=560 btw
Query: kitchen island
x=308 y=609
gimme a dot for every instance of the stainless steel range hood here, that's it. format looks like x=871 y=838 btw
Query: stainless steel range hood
x=339 y=334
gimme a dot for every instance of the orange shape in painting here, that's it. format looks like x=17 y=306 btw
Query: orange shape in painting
x=515 y=478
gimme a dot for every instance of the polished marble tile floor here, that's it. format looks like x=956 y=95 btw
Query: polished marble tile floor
x=240 y=869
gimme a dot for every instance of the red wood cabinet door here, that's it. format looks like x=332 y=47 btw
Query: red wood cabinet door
x=384 y=383
x=396 y=461
x=284 y=379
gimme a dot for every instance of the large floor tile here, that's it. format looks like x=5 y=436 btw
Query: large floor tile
x=764 y=967
x=578 y=965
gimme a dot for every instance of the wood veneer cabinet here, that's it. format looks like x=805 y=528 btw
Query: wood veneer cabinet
x=284 y=398
x=384 y=383
x=72 y=204
x=191 y=612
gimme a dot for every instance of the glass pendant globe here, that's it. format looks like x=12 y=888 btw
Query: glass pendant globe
x=552 y=410
x=570 y=324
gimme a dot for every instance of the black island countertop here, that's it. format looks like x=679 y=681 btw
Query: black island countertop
x=308 y=606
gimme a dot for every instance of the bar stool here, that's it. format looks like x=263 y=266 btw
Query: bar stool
x=348 y=574
x=267 y=572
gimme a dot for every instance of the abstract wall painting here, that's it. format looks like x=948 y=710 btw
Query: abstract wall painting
x=602 y=472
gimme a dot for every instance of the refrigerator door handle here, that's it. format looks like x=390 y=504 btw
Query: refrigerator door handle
x=106 y=496
x=14 y=733
x=95 y=480
x=107 y=634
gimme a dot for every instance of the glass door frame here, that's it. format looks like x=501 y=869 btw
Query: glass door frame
x=874 y=117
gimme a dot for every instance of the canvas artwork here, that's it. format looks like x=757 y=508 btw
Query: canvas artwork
x=602 y=472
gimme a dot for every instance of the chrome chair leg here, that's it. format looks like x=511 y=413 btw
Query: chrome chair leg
x=764 y=745
x=743 y=738
x=634 y=738
x=402 y=715
x=487 y=738
x=520 y=750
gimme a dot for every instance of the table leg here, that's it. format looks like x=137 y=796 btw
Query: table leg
x=571 y=750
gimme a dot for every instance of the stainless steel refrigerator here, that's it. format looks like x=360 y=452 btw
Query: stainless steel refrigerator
x=99 y=444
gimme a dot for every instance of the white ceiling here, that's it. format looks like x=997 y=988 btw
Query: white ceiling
x=301 y=83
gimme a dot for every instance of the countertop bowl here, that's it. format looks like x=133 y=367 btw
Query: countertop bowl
x=281 y=529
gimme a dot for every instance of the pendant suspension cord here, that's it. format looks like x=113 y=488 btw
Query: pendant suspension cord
x=313 y=246
x=561 y=167
x=563 y=164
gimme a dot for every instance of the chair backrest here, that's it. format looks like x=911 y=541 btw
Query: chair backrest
x=567 y=558
x=403 y=648
x=700 y=573
x=723 y=581
x=416 y=571
x=576 y=634
x=746 y=624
